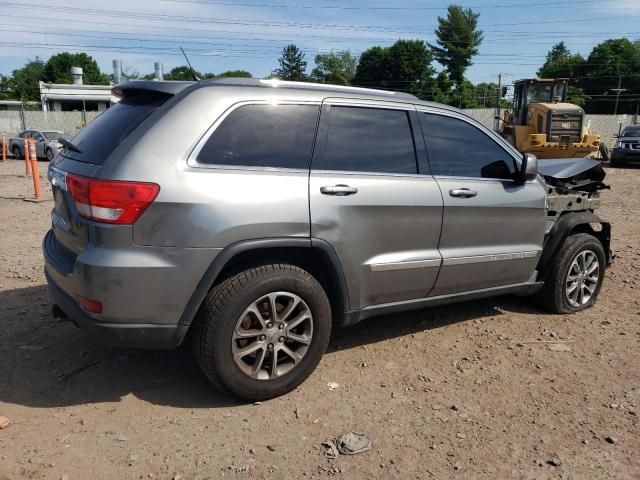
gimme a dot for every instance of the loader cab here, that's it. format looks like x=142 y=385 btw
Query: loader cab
x=536 y=90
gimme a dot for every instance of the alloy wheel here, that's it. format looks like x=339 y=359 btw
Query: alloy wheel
x=272 y=335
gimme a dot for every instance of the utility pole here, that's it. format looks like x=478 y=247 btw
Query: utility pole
x=496 y=123
x=618 y=91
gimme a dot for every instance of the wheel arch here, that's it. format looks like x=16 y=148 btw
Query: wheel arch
x=313 y=255
x=568 y=224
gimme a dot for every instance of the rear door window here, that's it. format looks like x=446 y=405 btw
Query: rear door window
x=101 y=137
x=369 y=140
x=278 y=136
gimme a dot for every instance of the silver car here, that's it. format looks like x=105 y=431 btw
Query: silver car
x=47 y=143
x=253 y=217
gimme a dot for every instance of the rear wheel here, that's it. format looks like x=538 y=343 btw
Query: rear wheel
x=576 y=277
x=260 y=333
x=16 y=153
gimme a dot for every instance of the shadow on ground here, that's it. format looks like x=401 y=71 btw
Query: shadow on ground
x=50 y=363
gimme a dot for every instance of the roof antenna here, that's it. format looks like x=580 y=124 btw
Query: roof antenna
x=193 y=73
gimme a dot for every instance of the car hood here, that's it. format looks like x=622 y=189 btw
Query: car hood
x=573 y=173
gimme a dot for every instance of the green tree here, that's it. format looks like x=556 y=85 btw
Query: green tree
x=23 y=82
x=182 y=72
x=337 y=68
x=58 y=69
x=408 y=65
x=405 y=66
x=370 y=69
x=292 y=64
x=613 y=62
x=235 y=74
x=457 y=41
x=561 y=63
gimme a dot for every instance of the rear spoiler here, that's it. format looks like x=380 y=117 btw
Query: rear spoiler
x=136 y=87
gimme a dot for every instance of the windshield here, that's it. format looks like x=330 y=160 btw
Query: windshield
x=631 y=132
x=101 y=137
x=539 y=93
x=53 y=135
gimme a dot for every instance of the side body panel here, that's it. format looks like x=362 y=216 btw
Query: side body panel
x=492 y=237
x=386 y=235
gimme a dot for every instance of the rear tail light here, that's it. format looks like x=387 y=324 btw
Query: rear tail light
x=111 y=201
x=90 y=305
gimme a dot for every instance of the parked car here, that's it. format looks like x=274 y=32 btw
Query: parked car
x=627 y=148
x=256 y=216
x=47 y=144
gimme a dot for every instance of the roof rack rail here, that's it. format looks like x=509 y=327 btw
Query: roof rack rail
x=275 y=83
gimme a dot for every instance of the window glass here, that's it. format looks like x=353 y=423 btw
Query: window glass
x=456 y=148
x=100 y=138
x=369 y=140
x=263 y=136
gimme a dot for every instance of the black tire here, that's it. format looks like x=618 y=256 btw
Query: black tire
x=553 y=295
x=16 y=153
x=49 y=154
x=616 y=163
x=222 y=309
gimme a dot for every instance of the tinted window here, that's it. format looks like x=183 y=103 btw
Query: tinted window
x=101 y=137
x=52 y=135
x=369 y=140
x=457 y=148
x=263 y=136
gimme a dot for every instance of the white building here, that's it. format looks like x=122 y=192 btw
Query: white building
x=60 y=97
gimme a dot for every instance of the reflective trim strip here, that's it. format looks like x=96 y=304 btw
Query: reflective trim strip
x=385 y=267
x=488 y=258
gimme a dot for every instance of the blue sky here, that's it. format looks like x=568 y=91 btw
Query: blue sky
x=249 y=34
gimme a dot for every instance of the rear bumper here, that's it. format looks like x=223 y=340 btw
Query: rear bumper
x=143 y=290
x=162 y=337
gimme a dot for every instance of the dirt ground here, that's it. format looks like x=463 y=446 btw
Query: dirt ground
x=489 y=389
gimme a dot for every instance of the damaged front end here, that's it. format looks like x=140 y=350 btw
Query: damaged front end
x=573 y=193
x=572 y=185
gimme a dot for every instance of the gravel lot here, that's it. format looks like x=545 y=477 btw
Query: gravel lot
x=486 y=389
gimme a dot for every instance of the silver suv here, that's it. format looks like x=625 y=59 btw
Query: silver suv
x=253 y=217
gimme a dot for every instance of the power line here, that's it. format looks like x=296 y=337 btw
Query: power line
x=236 y=21
x=360 y=7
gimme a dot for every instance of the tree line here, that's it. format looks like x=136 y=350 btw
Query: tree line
x=407 y=65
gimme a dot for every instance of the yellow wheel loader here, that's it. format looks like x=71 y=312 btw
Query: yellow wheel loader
x=542 y=123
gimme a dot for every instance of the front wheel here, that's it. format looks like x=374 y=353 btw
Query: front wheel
x=16 y=153
x=260 y=333
x=576 y=277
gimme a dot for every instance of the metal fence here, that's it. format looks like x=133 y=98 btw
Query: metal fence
x=12 y=122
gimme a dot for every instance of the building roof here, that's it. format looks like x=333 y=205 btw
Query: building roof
x=64 y=91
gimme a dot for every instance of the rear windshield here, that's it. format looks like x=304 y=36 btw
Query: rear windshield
x=101 y=137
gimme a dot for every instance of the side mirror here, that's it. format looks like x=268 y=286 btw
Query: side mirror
x=529 y=167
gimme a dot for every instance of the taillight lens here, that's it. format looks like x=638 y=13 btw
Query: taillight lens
x=111 y=201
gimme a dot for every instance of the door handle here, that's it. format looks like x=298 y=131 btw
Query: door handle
x=339 y=190
x=462 y=192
